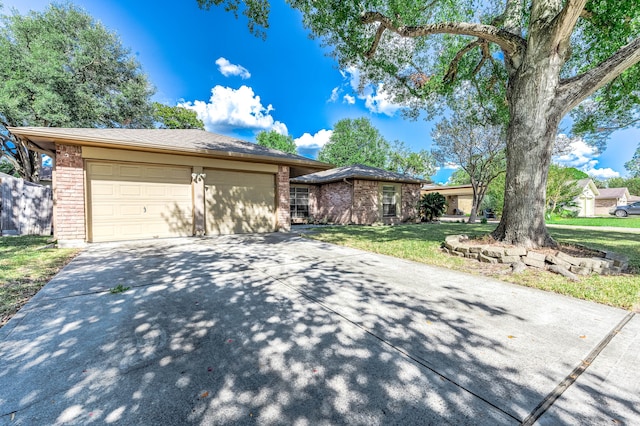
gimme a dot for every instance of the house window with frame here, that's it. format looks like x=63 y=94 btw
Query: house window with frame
x=299 y=203
x=389 y=201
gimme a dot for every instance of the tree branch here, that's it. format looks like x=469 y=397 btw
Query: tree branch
x=453 y=66
x=574 y=90
x=510 y=43
x=565 y=22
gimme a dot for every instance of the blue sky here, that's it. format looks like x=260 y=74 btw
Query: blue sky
x=240 y=84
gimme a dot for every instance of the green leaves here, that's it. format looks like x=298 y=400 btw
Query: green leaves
x=176 y=117
x=355 y=142
x=275 y=140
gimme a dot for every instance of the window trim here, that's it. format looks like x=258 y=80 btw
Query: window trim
x=386 y=188
x=294 y=206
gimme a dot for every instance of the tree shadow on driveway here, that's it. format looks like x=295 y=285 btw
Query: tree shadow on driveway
x=273 y=329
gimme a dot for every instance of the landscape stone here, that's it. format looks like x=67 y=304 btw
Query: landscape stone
x=487 y=259
x=564 y=272
x=557 y=261
x=580 y=270
x=531 y=261
x=509 y=259
x=475 y=249
x=493 y=251
x=536 y=256
x=572 y=260
x=515 y=251
x=518 y=267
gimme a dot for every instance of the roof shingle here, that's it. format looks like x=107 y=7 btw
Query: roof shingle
x=357 y=171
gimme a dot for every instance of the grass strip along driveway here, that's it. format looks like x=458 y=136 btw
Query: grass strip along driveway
x=421 y=243
x=25 y=267
x=615 y=222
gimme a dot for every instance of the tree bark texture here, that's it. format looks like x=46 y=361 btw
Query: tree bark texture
x=531 y=133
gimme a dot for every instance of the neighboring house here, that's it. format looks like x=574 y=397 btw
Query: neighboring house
x=125 y=184
x=46 y=175
x=358 y=194
x=459 y=197
x=611 y=197
x=586 y=201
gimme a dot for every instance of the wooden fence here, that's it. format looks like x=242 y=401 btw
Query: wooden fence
x=25 y=208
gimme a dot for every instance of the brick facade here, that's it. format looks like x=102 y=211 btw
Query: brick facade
x=68 y=200
x=283 y=214
x=366 y=202
x=359 y=202
x=334 y=203
x=410 y=199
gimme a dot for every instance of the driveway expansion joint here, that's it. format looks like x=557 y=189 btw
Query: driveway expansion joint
x=550 y=399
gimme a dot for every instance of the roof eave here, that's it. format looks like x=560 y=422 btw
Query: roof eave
x=114 y=143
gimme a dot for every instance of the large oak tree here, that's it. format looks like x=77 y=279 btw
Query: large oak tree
x=536 y=61
x=61 y=68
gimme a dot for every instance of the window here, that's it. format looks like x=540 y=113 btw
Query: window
x=389 y=204
x=299 y=203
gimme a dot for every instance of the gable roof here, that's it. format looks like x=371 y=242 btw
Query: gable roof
x=184 y=141
x=357 y=171
x=583 y=183
x=613 y=193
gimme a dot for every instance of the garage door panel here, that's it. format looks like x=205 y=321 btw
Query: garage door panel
x=239 y=202
x=135 y=201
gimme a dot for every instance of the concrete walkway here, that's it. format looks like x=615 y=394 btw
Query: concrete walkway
x=276 y=329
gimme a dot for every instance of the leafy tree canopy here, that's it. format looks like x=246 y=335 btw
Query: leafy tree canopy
x=175 y=117
x=633 y=165
x=275 y=140
x=61 y=68
x=418 y=164
x=531 y=62
x=632 y=184
x=562 y=188
x=355 y=142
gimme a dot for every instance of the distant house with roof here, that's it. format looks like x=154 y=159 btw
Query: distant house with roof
x=611 y=197
x=459 y=198
x=585 y=203
x=357 y=194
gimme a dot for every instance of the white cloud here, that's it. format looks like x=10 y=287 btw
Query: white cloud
x=316 y=141
x=227 y=69
x=376 y=98
x=379 y=101
x=334 y=94
x=602 y=174
x=583 y=156
x=235 y=109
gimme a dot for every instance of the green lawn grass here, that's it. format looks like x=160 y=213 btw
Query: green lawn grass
x=617 y=222
x=422 y=242
x=25 y=267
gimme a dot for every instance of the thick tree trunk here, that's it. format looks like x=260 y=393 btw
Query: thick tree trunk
x=530 y=138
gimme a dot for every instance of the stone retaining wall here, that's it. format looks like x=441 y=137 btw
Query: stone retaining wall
x=519 y=257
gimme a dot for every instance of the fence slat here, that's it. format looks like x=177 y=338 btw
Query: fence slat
x=26 y=208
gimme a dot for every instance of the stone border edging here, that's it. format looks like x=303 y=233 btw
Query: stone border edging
x=519 y=258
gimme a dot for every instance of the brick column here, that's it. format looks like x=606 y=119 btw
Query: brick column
x=68 y=196
x=283 y=214
x=197 y=185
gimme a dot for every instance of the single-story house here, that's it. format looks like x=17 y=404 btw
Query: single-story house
x=358 y=194
x=611 y=197
x=586 y=201
x=459 y=197
x=122 y=184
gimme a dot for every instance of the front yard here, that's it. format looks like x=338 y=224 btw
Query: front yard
x=422 y=242
x=25 y=267
x=616 y=222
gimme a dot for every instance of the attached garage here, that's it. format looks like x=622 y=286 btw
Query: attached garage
x=138 y=201
x=124 y=184
x=239 y=202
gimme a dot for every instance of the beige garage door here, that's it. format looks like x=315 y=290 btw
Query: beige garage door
x=239 y=202
x=135 y=201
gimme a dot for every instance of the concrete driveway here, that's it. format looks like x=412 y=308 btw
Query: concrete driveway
x=276 y=329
